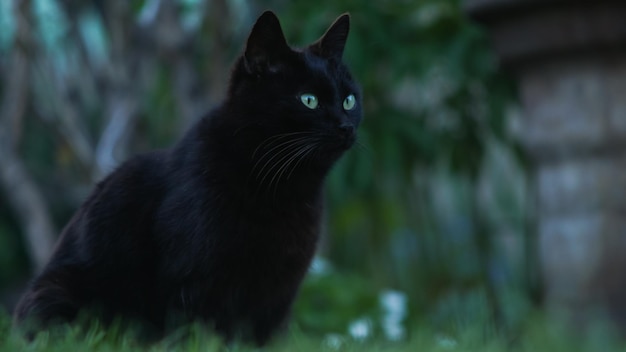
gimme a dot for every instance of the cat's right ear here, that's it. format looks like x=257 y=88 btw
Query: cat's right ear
x=332 y=43
x=266 y=45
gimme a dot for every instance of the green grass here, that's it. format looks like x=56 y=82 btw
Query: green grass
x=537 y=335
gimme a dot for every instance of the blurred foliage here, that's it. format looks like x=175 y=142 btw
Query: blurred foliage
x=330 y=301
x=13 y=259
x=405 y=205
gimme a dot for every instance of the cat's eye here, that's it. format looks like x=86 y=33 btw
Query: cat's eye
x=309 y=100
x=349 y=102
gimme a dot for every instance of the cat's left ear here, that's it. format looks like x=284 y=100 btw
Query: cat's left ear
x=266 y=44
x=332 y=43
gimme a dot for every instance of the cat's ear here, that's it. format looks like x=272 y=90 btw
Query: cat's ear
x=266 y=44
x=332 y=43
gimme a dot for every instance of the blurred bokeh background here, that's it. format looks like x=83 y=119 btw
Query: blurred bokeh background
x=435 y=218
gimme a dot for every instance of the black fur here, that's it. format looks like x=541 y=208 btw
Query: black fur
x=222 y=227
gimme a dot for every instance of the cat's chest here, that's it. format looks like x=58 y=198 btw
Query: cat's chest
x=253 y=256
x=275 y=225
x=246 y=241
x=270 y=238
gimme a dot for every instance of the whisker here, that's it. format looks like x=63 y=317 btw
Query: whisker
x=277 y=174
x=268 y=143
x=286 y=155
x=265 y=142
x=302 y=157
x=285 y=145
x=367 y=151
x=278 y=136
x=276 y=146
x=362 y=146
x=281 y=171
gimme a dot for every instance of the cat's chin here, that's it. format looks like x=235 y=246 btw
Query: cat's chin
x=330 y=152
x=341 y=145
x=349 y=142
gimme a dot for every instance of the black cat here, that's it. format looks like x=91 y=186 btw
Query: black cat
x=222 y=227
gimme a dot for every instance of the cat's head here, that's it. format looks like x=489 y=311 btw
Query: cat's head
x=304 y=99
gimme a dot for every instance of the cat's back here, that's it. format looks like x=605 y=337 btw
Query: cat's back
x=121 y=207
x=134 y=184
x=113 y=228
x=106 y=253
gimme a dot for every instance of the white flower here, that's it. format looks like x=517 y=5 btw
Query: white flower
x=394 y=307
x=360 y=329
x=320 y=267
x=334 y=341
x=445 y=341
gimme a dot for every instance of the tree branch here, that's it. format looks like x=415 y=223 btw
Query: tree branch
x=62 y=112
x=121 y=101
x=22 y=193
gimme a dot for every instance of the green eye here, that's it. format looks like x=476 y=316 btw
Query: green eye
x=349 y=102
x=309 y=100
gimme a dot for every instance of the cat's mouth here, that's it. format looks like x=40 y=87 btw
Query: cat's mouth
x=348 y=141
x=346 y=136
x=340 y=142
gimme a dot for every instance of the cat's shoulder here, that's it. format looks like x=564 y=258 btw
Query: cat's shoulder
x=142 y=171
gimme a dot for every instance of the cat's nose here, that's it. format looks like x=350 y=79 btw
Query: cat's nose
x=347 y=130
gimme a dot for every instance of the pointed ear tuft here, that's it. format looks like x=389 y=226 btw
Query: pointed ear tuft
x=332 y=43
x=266 y=43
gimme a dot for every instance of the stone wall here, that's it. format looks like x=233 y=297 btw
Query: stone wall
x=575 y=131
x=570 y=62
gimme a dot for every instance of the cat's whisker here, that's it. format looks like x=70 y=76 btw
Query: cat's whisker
x=363 y=147
x=283 y=154
x=297 y=157
x=273 y=162
x=281 y=165
x=285 y=146
x=266 y=141
x=302 y=157
x=285 y=166
x=279 y=142
x=278 y=136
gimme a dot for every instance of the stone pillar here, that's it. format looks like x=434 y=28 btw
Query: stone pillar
x=569 y=58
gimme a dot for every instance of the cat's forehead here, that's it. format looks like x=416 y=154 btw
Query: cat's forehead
x=320 y=67
x=314 y=62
